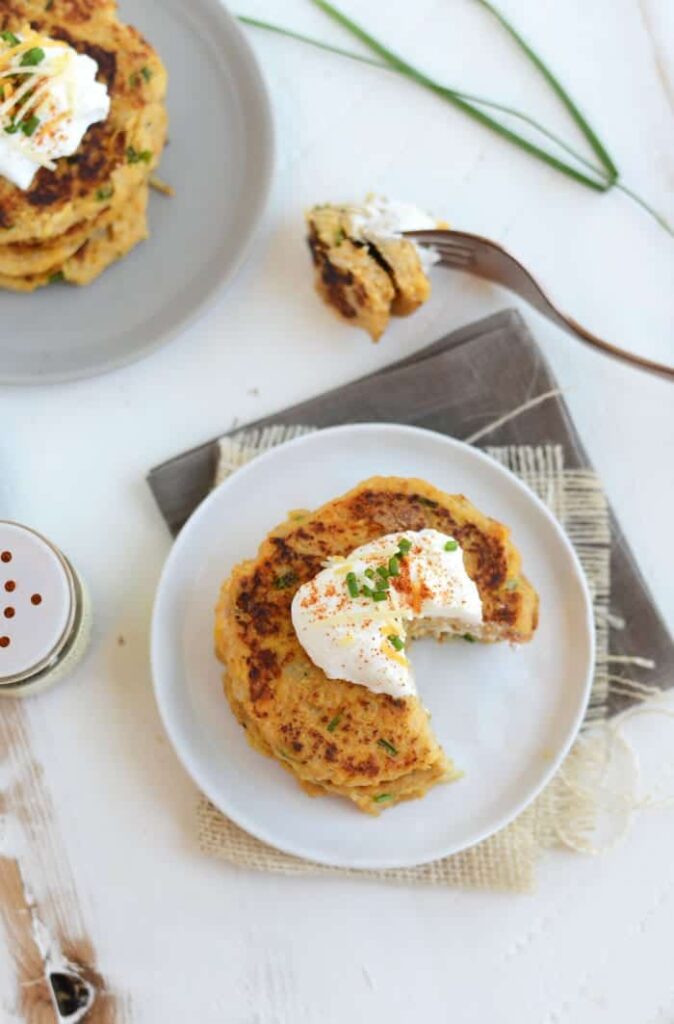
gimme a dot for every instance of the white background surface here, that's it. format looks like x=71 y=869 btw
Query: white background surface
x=191 y=939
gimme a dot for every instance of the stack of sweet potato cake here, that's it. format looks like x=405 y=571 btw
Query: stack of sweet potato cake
x=90 y=208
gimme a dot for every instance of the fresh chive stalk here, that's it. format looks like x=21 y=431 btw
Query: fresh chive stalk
x=606 y=175
x=602 y=184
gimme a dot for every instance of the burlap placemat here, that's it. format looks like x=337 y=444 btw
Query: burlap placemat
x=487 y=382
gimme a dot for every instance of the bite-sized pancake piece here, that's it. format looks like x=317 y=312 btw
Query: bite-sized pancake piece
x=347 y=275
x=411 y=283
x=336 y=736
x=365 y=268
x=117 y=155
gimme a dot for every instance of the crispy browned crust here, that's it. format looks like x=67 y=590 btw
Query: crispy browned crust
x=285 y=702
x=61 y=198
x=352 y=283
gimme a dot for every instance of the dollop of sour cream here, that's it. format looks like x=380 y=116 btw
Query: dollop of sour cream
x=49 y=98
x=352 y=618
x=379 y=219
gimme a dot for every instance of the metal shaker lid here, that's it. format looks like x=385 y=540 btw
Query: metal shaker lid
x=37 y=603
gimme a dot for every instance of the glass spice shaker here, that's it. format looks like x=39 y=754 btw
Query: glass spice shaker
x=45 y=617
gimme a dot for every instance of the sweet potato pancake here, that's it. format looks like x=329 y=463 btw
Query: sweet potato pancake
x=44 y=228
x=336 y=736
x=366 y=274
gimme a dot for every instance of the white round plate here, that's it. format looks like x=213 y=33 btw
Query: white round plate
x=507 y=717
x=219 y=161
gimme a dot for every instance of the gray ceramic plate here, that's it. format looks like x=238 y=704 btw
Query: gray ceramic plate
x=219 y=160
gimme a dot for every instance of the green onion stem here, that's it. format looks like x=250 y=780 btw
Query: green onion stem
x=557 y=87
x=383 y=66
x=645 y=206
x=469 y=98
x=418 y=76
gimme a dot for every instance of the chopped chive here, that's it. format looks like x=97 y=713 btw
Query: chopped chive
x=146 y=73
x=2 y=93
x=28 y=127
x=340 y=235
x=379 y=595
x=369 y=573
x=512 y=584
x=134 y=156
x=396 y=641
x=58 y=276
x=332 y=725
x=388 y=747
x=394 y=566
x=469 y=638
x=382 y=584
x=383 y=572
x=32 y=57
x=352 y=584
x=10 y=38
x=367 y=592
x=12 y=129
x=382 y=797
x=451 y=545
x=285 y=581
x=405 y=545
x=134 y=80
x=428 y=502
x=104 y=193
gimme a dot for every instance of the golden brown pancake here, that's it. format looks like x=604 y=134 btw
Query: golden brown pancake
x=27 y=259
x=333 y=735
x=110 y=240
x=116 y=156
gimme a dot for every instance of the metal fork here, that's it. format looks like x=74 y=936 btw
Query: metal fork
x=490 y=261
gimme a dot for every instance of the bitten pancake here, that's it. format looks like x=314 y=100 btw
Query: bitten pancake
x=336 y=736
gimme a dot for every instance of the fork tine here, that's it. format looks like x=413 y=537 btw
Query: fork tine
x=459 y=251
x=443 y=243
x=449 y=260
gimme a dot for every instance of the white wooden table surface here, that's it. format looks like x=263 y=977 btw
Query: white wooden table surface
x=183 y=938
